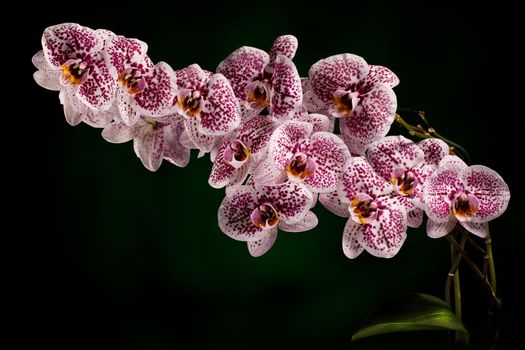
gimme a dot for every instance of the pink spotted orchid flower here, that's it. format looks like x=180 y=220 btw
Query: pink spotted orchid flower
x=361 y=95
x=254 y=213
x=143 y=88
x=74 y=55
x=377 y=216
x=239 y=154
x=208 y=105
x=406 y=166
x=265 y=80
x=471 y=195
x=154 y=139
x=313 y=158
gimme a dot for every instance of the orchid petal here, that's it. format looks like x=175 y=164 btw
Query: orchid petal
x=262 y=246
x=242 y=66
x=330 y=153
x=489 y=188
x=392 y=152
x=283 y=140
x=234 y=215
x=221 y=113
x=291 y=200
x=287 y=93
x=372 y=117
x=359 y=177
x=351 y=246
x=285 y=45
x=440 y=229
x=174 y=151
x=336 y=72
x=309 y=222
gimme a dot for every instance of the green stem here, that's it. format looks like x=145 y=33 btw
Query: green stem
x=412 y=130
x=422 y=134
x=456 y=260
x=492 y=268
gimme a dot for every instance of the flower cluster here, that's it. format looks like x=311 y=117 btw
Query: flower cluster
x=279 y=143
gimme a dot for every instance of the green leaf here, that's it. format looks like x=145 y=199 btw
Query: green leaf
x=412 y=312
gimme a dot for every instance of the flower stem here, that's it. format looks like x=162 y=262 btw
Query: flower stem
x=418 y=131
x=495 y=302
x=453 y=277
x=492 y=268
x=412 y=130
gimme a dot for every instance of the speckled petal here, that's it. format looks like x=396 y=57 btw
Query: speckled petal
x=379 y=75
x=291 y=200
x=118 y=132
x=310 y=101
x=330 y=154
x=453 y=161
x=308 y=223
x=351 y=247
x=121 y=52
x=284 y=139
x=98 y=91
x=99 y=119
x=385 y=236
x=156 y=99
x=40 y=62
x=191 y=77
x=285 y=45
x=287 y=93
x=440 y=229
x=415 y=218
x=263 y=245
x=336 y=72
x=127 y=107
x=438 y=189
x=332 y=202
x=47 y=81
x=222 y=173
x=234 y=215
x=435 y=150
x=149 y=147
x=356 y=147
x=478 y=228
x=265 y=173
x=372 y=117
x=393 y=152
x=174 y=151
x=359 y=176
x=221 y=113
x=64 y=41
x=203 y=142
x=489 y=188
x=256 y=133
x=319 y=122
x=242 y=66
x=73 y=117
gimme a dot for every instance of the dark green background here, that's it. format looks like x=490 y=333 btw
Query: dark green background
x=112 y=255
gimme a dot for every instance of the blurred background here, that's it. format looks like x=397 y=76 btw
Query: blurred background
x=111 y=255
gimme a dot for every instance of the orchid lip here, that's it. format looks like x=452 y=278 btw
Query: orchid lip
x=363 y=208
x=404 y=182
x=133 y=80
x=344 y=102
x=236 y=154
x=300 y=167
x=257 y=94
x=190 y=102
x=265 y=216
x=74 y=71
x=464 y=206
